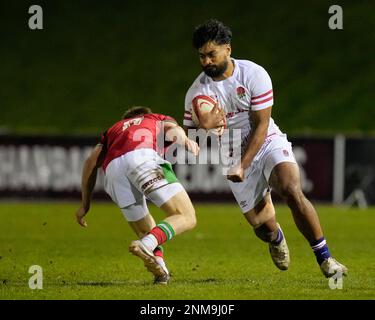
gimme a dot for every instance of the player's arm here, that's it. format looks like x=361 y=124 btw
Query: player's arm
x=89 y=173
x=173 y=132
x=259 y=122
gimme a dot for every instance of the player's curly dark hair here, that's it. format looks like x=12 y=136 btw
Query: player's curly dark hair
x=211 y=30
x=136 y=111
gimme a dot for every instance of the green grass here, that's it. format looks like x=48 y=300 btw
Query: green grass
x=220 y=259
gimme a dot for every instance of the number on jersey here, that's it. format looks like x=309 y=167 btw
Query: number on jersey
x=131 y=122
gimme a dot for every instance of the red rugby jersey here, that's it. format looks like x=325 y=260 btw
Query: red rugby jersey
x=131 y=134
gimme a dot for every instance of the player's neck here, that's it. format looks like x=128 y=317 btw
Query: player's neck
x=228 y=72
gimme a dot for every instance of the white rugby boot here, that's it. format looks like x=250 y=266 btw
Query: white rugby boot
x=280 y=253
x=330 y=267
x=139 y=249
x=164 y=279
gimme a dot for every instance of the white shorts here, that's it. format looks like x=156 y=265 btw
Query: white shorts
x=275 y=149
x=138 y=174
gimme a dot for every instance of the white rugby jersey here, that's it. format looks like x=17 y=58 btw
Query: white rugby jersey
x=248 y=89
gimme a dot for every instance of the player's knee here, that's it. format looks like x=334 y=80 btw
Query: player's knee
x=191 y=219
x=187 y=213
x=258 y=218
x=291 y=192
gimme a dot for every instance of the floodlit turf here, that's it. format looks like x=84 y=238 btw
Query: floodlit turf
x=220 y=259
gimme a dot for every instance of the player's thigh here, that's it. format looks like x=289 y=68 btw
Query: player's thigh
x=136 y=211
x=261 y=213
x=119 y=187
x=285 y=178
x=154 y=177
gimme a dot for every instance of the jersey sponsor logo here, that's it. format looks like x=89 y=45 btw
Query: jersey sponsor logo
x=241 y=92
x=147 y=185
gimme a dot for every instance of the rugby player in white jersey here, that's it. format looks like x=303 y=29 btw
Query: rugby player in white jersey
x=243 y=90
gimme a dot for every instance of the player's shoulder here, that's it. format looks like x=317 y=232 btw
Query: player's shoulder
x=248 y=67
x=116 y=124
x=198 y=83
x=250 y=72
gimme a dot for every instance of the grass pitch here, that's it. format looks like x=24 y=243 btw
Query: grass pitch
x=220 y=259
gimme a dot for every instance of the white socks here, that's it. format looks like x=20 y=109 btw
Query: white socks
x=150 y=242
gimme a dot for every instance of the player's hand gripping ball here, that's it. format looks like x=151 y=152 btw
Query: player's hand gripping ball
x=207 y=109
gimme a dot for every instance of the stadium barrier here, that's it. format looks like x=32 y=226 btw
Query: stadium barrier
x=336 y=170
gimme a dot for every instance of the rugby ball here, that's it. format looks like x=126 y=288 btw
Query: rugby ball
x=201 y=105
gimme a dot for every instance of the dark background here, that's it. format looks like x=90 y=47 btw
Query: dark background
x=93 y=59
x=360 y=168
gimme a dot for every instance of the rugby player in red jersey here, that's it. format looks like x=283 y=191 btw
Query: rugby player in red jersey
x=131 y=156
